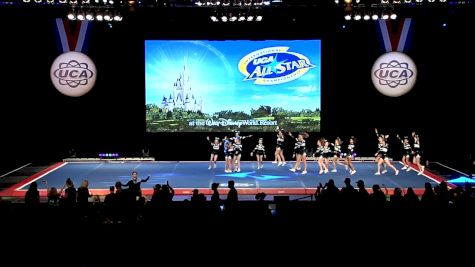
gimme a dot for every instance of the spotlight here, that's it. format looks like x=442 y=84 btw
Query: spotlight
x=393 y=16
x=241 y=18
x=357 y=17
x=99 y=17
x=366 y=17
x=250 y=18
x=385 y=16
x=224 y=19
x=233 y=18
x=214 y=19
x=347 y=17
x=375 y=17
x=258 y=18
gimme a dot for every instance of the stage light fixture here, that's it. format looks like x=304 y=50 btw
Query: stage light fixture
x=71 y=16
x=393 y=16
x=250 y=18
x=89 y=16
x=347 y=17
x=366 y=17
x=259 y=18
x=81 y=16
x=375 y=16
x=99 y=17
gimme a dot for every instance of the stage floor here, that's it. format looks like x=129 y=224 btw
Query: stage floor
x=186 y=176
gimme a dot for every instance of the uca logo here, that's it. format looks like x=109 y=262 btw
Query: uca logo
x=73 y=73
x=273 y=65
x=393 y=73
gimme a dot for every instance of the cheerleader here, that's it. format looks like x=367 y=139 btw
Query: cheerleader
x=225 y=149
x=417 y=153
x=279 y=150
x=382 y=155
x=300 y=152
x=318 y=155
x=229 y=157
x=406 y=154
x=377 y=157
x=238 y=137
x=327 y=154
x=214 y=152
x=336 y=152
x=260 y=152
x=238 y=150
x=350 y=154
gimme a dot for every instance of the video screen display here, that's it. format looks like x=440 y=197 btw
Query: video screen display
x=216 y=86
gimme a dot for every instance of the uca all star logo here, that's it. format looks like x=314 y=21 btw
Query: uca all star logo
x=73 y=74
x=274 y=65
x=394 y=74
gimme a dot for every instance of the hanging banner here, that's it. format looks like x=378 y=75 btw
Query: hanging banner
x=73 y=73
x=394 y=73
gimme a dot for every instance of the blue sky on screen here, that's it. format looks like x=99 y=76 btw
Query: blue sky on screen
x=214 y=76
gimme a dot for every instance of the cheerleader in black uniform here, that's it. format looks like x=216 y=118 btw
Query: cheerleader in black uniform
x=300 y=152
x=417 y=153
x=279 y=150
x=382 y=155
x=327 y=154
x=377 y=154
x=350 y=154
x=214 y=152
x=318 y=155
x=229 y=158
x=260 y=152
x=406 y=153
x=336 y=152
x=237 y=154
x=238 y=150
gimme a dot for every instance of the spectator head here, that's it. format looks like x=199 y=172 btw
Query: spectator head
x=347 y=181
x=360 y=183
x=260 y=196
x=231 y=184
x=33 y=186
x=214 y=186
x=111 y=189
x=85 y=183
x=69 y=182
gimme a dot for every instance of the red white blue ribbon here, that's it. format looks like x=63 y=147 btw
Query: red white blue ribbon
x=72 y=37
x=395 y=39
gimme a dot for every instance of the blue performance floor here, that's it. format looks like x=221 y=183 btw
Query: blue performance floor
x=185 y=176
